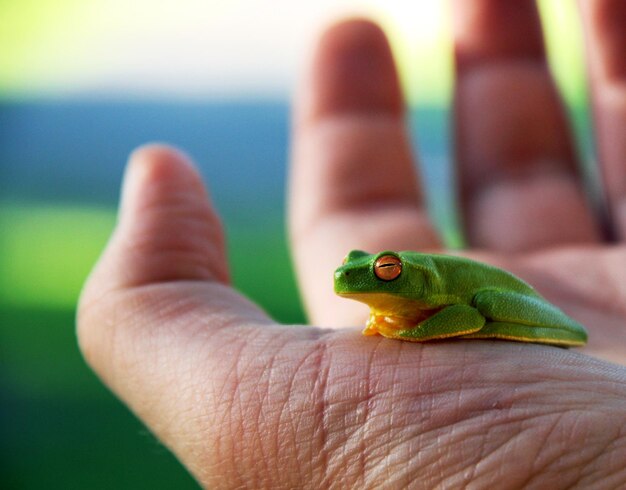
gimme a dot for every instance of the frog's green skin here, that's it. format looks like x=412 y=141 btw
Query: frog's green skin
x=439 y=296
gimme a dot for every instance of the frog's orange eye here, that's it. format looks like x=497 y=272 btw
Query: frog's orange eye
x=388 y=267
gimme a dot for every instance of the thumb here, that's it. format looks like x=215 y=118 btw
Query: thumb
x=167 y=228
x=165 y=261
x=156 y=307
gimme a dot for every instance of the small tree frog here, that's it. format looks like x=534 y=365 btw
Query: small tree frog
x=418 y=297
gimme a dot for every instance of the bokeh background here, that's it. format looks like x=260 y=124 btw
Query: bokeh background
x=82 y=83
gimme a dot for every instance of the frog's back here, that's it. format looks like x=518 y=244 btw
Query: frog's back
x=465 y=277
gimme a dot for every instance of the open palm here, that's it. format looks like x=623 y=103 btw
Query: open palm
x=244 y=402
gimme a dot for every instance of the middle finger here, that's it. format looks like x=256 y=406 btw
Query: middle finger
x=519 y=181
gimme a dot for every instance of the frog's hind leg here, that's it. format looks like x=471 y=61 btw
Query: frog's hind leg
x=525 y=318
x=451 y=321
x=526 y=333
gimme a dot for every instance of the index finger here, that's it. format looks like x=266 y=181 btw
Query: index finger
x=353 y=182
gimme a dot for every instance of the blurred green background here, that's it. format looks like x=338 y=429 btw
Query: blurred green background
x=81 y=85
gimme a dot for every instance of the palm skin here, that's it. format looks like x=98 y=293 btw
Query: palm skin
x=246 y=403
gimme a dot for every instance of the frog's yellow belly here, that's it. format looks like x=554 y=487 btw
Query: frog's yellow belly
x=389 y=314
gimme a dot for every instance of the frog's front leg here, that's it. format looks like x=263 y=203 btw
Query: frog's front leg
x=451 y=321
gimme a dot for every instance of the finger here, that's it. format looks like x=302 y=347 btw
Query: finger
x=167 y=233
x=162 y=187
x=156 y=312
x=519 y=183
x=353 y=183
x=604 y=22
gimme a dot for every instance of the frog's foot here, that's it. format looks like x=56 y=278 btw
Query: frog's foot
x=370 y=326
x=389 y=325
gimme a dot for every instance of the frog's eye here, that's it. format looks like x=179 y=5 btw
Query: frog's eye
x=388 y=267
x=345 y=260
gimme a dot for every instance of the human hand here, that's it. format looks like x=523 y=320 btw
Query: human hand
x=244 y=402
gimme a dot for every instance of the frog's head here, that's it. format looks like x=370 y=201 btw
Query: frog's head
x=388 y=273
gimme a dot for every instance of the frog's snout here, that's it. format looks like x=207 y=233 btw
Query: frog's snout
x=341 y=279
x=340 y=274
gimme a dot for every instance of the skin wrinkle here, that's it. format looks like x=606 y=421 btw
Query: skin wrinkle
x=194 y=266
x=587 y=471
x=466 y=475
x=557 y=473
x=320 y=366
x=340 y=423
x=553 y=424
x=582 y=469
x=270 y=369
x=170 y=202
x=240 y=459
x=222 y=442
x=310 y=367
x=368 y=441
x=261 y=391
x=242 y=375
x=289 y=420
x=494 y=453
x=176 y=416
x=506 y=421
x=172 y=309
x=366 y=415
x=480 y=456
x=379 y=448
x=198 y=264
x=304 y=385
x=403 y=455
x=365 y=431
x=620 y=472
x=370 y=448
x=221 y=418
x=387 y=467
x=588 y=455
x=316 y=125
x=189 y=422
x=471 y=473
x=396 y=421
x=437 y=461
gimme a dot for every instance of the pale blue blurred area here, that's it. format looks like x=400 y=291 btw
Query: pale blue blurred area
x=75 y=152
